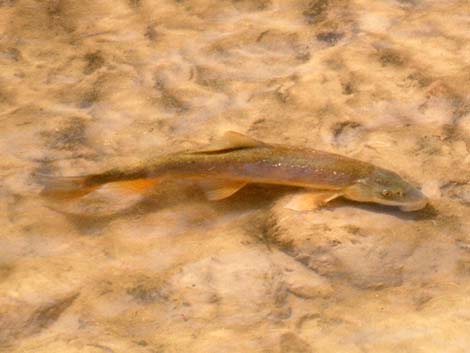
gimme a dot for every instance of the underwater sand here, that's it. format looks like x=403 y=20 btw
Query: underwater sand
x=88 y=85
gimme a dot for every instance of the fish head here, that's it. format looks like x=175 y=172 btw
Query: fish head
x=387 y=188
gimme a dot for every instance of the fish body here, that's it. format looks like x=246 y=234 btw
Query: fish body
x=238 y=160
x=262 y=164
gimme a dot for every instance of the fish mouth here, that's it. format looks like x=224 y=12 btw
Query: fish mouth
x=414 y=206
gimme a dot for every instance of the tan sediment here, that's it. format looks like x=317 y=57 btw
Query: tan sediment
x=91 y=85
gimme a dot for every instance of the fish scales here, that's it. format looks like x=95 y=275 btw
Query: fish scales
x=272 y=165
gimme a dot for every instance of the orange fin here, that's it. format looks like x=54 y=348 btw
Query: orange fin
x=311 y=200
x=218 y=190
x=231 y=140
x=137 y=185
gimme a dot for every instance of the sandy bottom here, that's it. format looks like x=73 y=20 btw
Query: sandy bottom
x=88 y=85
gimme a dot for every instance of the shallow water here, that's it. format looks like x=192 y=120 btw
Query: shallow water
x=88 y=85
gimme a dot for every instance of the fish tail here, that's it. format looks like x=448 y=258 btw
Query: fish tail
x=69 y=187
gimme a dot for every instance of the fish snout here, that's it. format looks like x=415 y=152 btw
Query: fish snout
x=416 y=202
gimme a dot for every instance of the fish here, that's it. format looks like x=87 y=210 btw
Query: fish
x=226 y=166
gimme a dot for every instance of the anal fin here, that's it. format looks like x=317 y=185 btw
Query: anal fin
x=218 y=190
x=311 y=200
x=137 y=185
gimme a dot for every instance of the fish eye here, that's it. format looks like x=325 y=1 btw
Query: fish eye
x=390 y=193
x=386 y=193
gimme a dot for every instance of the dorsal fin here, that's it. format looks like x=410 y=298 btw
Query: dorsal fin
x=231 y=140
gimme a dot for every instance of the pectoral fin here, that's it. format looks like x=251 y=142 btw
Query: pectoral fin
x=218 y=190
x=311 y=200
x=230 y=141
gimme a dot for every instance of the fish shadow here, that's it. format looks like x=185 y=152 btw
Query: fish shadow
x=251 y=198
x=92 y=223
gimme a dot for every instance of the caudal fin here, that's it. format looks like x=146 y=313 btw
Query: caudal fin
x=59 y=187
